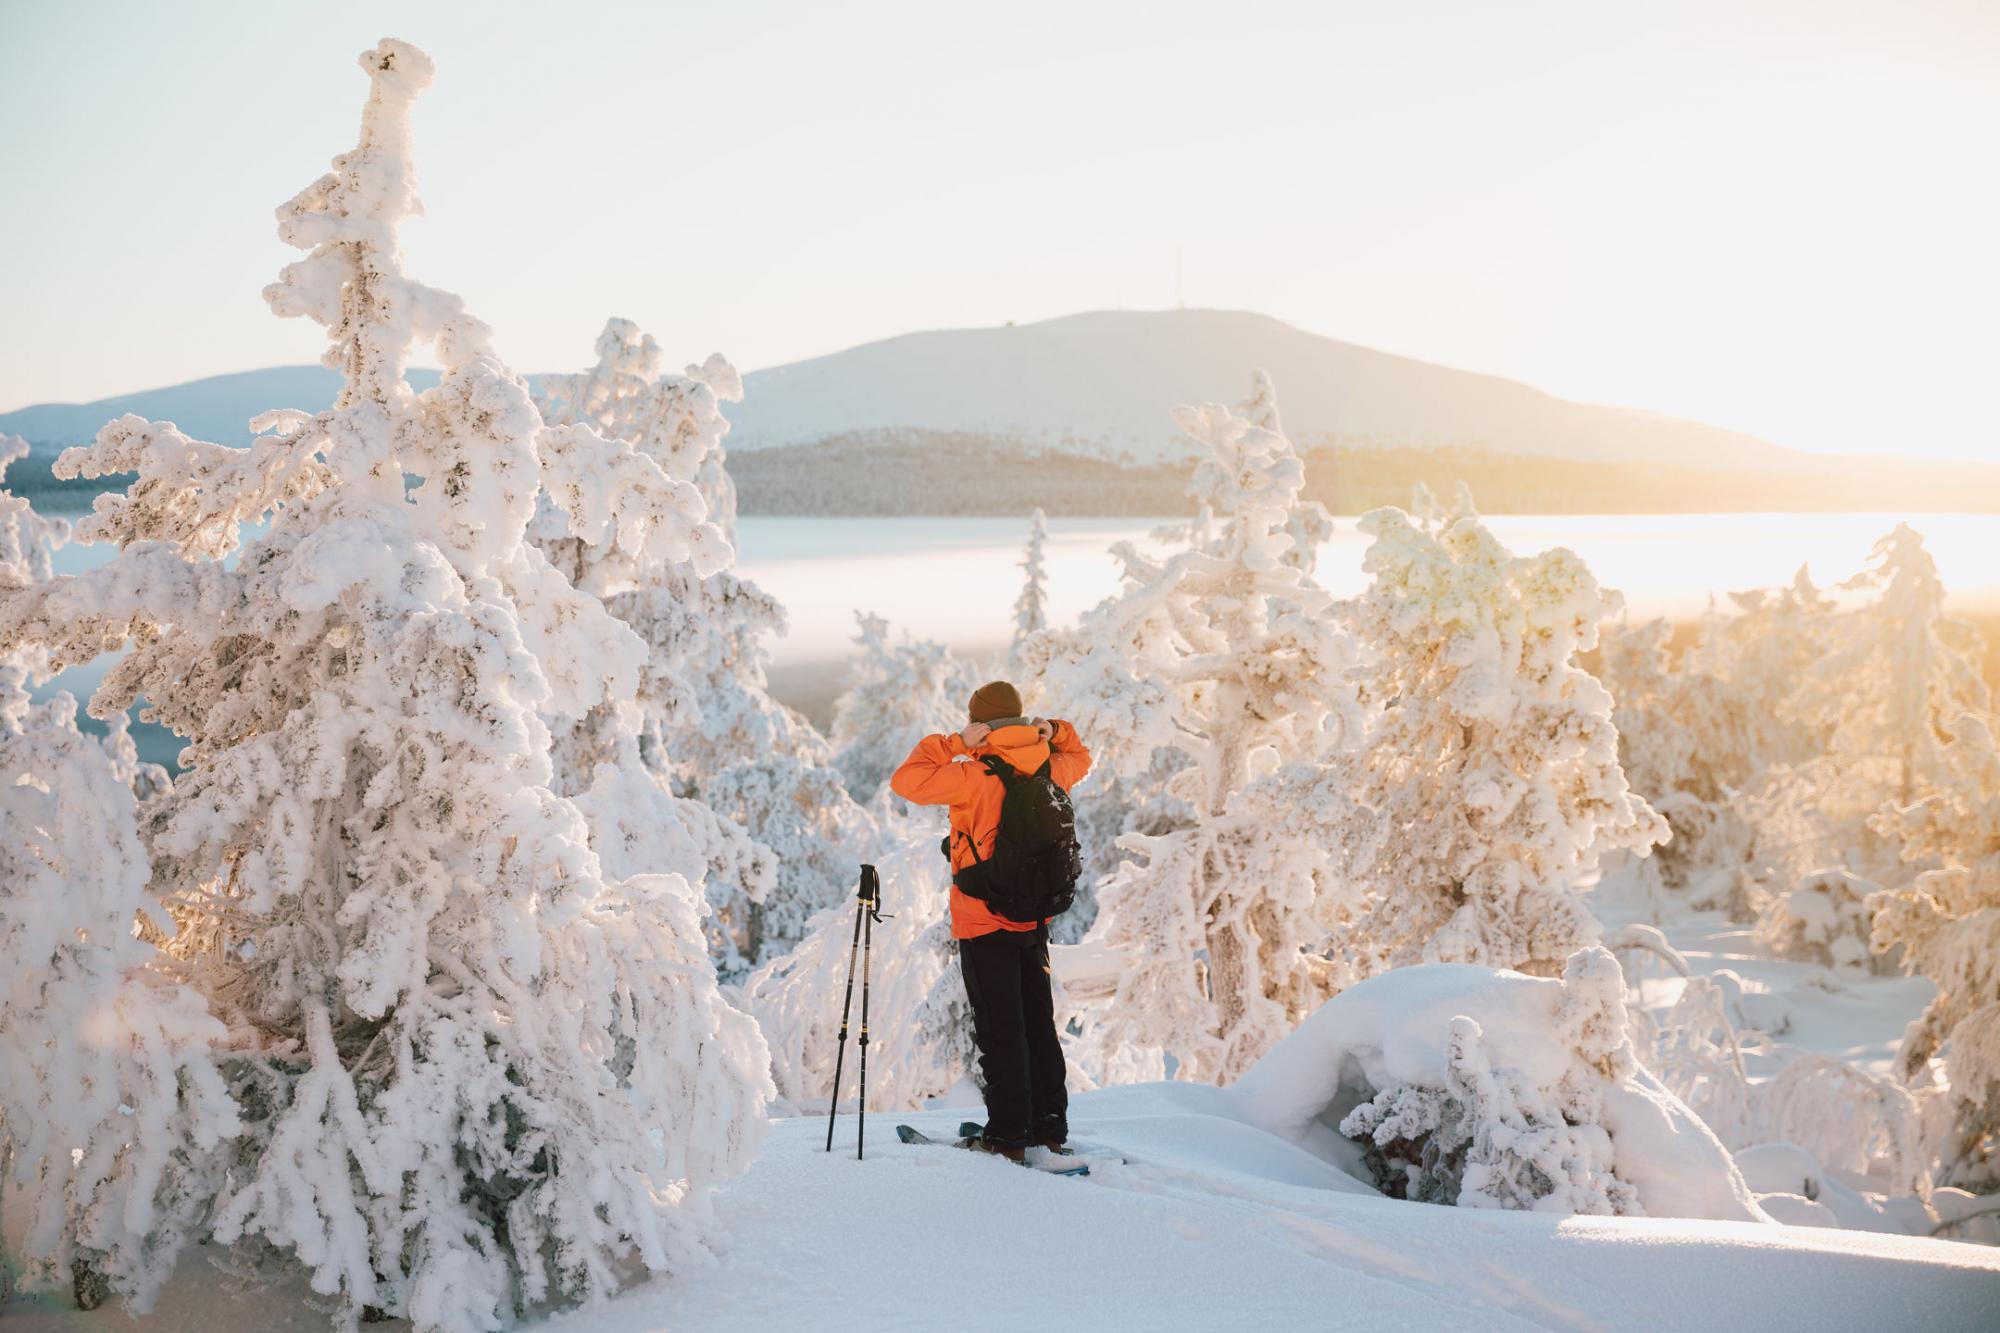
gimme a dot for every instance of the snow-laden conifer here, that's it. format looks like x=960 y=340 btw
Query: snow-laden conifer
x=1307 y=523
x=1490 y=785
x=1226 y=655
x=1877 y=699
x=1031 y=608
x=1897 y=671
x=771 y=817
x=1689 y=741
x=474 y=1071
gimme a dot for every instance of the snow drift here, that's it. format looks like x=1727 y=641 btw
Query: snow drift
x=1460 y=1084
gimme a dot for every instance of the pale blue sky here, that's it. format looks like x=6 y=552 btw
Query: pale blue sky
x=1777 y=215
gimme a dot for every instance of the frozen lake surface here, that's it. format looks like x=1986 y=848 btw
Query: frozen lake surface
x=955 y=579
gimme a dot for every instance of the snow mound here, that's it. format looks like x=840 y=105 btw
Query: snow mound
x=1460 y=1084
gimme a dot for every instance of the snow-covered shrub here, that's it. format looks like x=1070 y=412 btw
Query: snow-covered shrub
x=1712 y=741
x=1688 y=741
x=1762 y=653
x=1947 y=925
x=474 y=1071
x=1823 y=918
x=1694 y=1051
x=1852 y=1121
x=1485 y=1087
x=1226 y=657
x=896 y=691
x=112 y=1110
x=1794 y=1187
x=107 y=1086
x=1490 y=785
x=28 y=542
x=1862 y=1124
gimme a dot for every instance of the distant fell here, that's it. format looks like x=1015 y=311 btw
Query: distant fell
x=1108 y=380
x=1103 y=382
x=1074 y=415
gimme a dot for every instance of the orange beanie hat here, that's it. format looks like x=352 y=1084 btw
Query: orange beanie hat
x=995 y=699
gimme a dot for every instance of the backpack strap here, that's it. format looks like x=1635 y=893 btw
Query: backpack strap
x=999 y=768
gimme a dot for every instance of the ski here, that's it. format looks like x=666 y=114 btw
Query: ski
x=911 y=1134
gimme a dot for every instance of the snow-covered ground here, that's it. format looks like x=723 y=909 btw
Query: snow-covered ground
x=1213 y=1224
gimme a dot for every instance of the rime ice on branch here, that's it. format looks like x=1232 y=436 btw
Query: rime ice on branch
x=477 y=1070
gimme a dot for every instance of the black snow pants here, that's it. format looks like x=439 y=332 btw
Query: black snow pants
x=1014 y=1023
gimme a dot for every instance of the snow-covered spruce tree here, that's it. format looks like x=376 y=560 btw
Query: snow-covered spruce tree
x=1896 y=672
x=1762 y=653
x=1226 y=654
x=1308 y=523
x=895 y=691
x=1947 y=926
x=1879 y=697
x=1490 y=784
x=475 y=1073
x=1031 y=608
x=708 y=725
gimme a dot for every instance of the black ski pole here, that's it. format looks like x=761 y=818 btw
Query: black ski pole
x=840 y=1058
x=871 y=907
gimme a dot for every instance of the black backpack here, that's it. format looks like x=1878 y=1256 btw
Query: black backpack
x=1036 y=859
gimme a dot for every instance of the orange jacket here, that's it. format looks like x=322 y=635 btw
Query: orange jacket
x=942 y=771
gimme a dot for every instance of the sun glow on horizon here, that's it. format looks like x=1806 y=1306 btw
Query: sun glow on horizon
x=1774 y=218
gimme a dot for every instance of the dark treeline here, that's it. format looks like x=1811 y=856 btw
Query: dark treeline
x=964 y=472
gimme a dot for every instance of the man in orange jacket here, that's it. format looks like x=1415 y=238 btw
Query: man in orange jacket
x=1006 y=963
